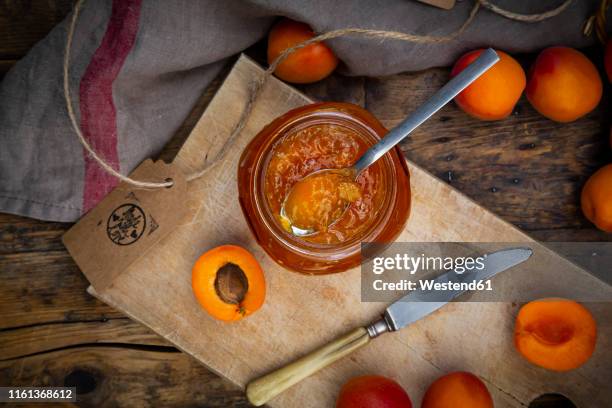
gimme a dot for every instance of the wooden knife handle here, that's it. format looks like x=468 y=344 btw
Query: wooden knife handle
x=270 y=385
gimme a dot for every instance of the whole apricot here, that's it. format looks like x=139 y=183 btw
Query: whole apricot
x=493 y=95
x=563 y=84
x=309 y=64
x=458 y=390
x=596 y=198
x=372 y=391
x=557 y=334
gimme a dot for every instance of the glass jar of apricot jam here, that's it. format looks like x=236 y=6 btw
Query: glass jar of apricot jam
x=305 y=140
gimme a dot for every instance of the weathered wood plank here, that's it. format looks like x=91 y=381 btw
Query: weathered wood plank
x=39 y=338
x=43 y=287
x=5 y=65
x=570 y=235
x=337 y=88
x=527 y=169
x=123 y=377
x=21 y=234
x=23 y=23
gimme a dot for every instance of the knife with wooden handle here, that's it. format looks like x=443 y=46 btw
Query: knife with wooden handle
x=410 y=308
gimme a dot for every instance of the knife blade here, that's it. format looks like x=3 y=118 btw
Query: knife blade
x=410 y=308
x=419 y=303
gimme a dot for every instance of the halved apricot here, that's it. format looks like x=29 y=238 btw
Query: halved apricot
x=228 y=282
x=557 y=334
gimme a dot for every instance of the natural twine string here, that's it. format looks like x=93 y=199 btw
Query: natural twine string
x=258 y=83
x=107 y=167
x=526 y=18
x=597 y=22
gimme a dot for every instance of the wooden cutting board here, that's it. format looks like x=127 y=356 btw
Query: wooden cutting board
x=303 y=312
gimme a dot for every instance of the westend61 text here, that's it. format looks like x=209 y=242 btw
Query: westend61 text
x=430 y=284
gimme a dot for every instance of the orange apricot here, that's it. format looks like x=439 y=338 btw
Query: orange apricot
x=563 y=84
x=228 y=282
x=596 y=198
x=309 y=64
x=458 y=390
x=493 y=95
x=372 y=391
x=557 y=334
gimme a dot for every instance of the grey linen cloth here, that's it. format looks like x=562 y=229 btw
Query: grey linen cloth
x=139 y=66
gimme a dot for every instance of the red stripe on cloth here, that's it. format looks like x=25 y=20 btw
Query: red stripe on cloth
x=98 y=113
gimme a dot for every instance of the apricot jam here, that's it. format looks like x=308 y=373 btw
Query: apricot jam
x=317 y=147
x=374 y=206
x=319 y=200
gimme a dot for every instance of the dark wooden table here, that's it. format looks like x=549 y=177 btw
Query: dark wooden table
x=525 y=168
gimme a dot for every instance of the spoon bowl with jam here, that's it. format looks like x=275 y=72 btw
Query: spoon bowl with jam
x=318 y=200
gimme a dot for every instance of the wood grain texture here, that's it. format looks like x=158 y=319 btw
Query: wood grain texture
x=23 y=23
x=112 y=377
x=41 y=289
x=535 y=167
x=6 y=65
x=466 y=334
x=44 y=337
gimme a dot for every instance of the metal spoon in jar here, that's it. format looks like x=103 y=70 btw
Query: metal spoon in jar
x=310 y=206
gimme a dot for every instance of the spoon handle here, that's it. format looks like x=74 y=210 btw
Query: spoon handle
x=452 y=88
